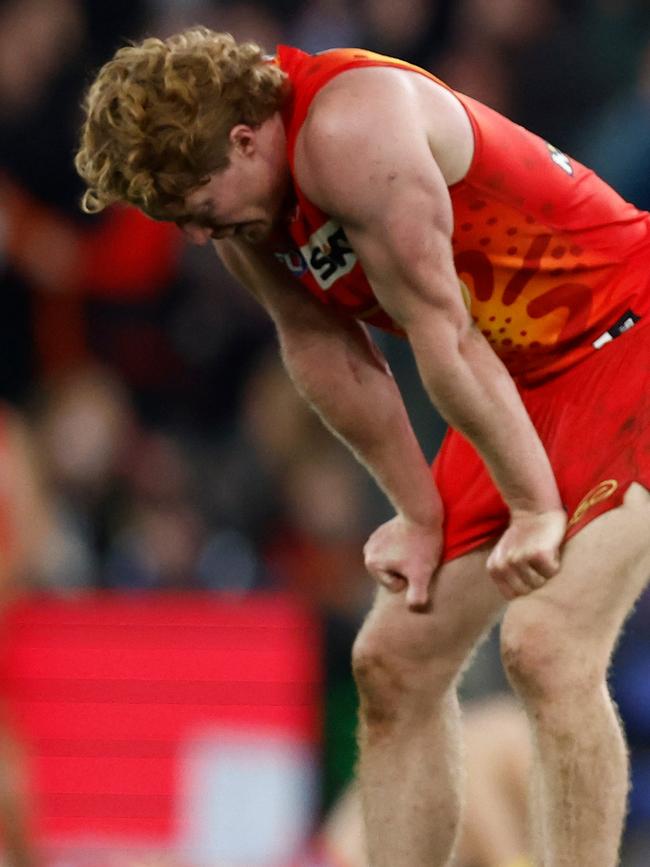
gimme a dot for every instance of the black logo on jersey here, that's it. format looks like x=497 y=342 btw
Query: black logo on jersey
x=328 y=254
x=628 y=320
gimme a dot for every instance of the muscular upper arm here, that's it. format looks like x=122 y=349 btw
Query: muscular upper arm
x=365 y=158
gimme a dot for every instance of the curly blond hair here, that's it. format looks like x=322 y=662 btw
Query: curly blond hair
x=159 y=113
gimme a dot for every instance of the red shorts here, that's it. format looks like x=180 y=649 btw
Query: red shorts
x=594 y=421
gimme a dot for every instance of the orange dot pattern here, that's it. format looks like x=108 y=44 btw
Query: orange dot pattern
x=526 y=331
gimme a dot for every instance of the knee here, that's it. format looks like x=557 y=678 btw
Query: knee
x=546 y=661
x=395 y=681
x=381 y=681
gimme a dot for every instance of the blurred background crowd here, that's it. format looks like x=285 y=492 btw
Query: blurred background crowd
x=149 y=439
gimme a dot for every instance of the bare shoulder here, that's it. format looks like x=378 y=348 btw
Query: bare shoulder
x=364 y=115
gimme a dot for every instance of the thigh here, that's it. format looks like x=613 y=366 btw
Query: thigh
x=464 y=604
x=604 y=569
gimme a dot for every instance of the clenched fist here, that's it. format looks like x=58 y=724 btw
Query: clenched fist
x=528 y=553
x=401 y=554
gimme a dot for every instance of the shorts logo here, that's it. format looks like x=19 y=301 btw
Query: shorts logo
x=328 y=254
x=601 y=492
x=560 y=159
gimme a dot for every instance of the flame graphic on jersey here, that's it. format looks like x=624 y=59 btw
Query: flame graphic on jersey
x=527 y=284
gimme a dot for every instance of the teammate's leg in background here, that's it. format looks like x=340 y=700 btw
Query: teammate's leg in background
x=497 y=754
x=493 y=827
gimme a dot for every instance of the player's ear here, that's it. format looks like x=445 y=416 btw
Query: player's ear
x=242 y=139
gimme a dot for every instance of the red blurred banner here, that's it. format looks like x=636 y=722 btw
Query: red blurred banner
x=114 y=694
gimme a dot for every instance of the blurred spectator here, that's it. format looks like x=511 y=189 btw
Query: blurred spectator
x=218 y=331
x=84 y=429
x=35 y=47
x=324 y=24
x=554 y=63
x=414 y=31
x=480 y=72
x=246 y=19
x=241 y=466
x=318 y=553
x=617 y=144
x=30 y=25
x=54 y=259
x=487 y=40
x=250 y=20
x=158 y=542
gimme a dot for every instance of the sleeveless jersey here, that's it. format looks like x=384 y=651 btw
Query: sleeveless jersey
x=551 y=261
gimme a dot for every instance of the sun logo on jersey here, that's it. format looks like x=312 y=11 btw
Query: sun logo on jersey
x=560 y=159
x=601 y=492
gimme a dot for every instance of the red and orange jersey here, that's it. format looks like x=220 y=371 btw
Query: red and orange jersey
x=551 y=261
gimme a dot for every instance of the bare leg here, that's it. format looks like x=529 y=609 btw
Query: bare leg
x=493 y=830
x=497 y=749
x=407 y=666
x=343 y=832
x=557 y=644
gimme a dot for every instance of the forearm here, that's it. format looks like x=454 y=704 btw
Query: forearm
x=350 y=386
x=473 y=391
x=340 y=372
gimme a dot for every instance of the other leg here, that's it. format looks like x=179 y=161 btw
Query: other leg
x=556 y=646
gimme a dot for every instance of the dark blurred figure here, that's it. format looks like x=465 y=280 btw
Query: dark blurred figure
x=546 y=63
x=617 y=144
x=85 y=432
x=485 y=42
x=158 y=543
x=36 y=53
x=69 y=285
x=323 y=24
x=414 y=30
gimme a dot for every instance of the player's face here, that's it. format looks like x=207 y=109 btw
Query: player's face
x=246 y=198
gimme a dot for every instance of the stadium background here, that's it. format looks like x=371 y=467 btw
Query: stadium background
x=153 y=456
